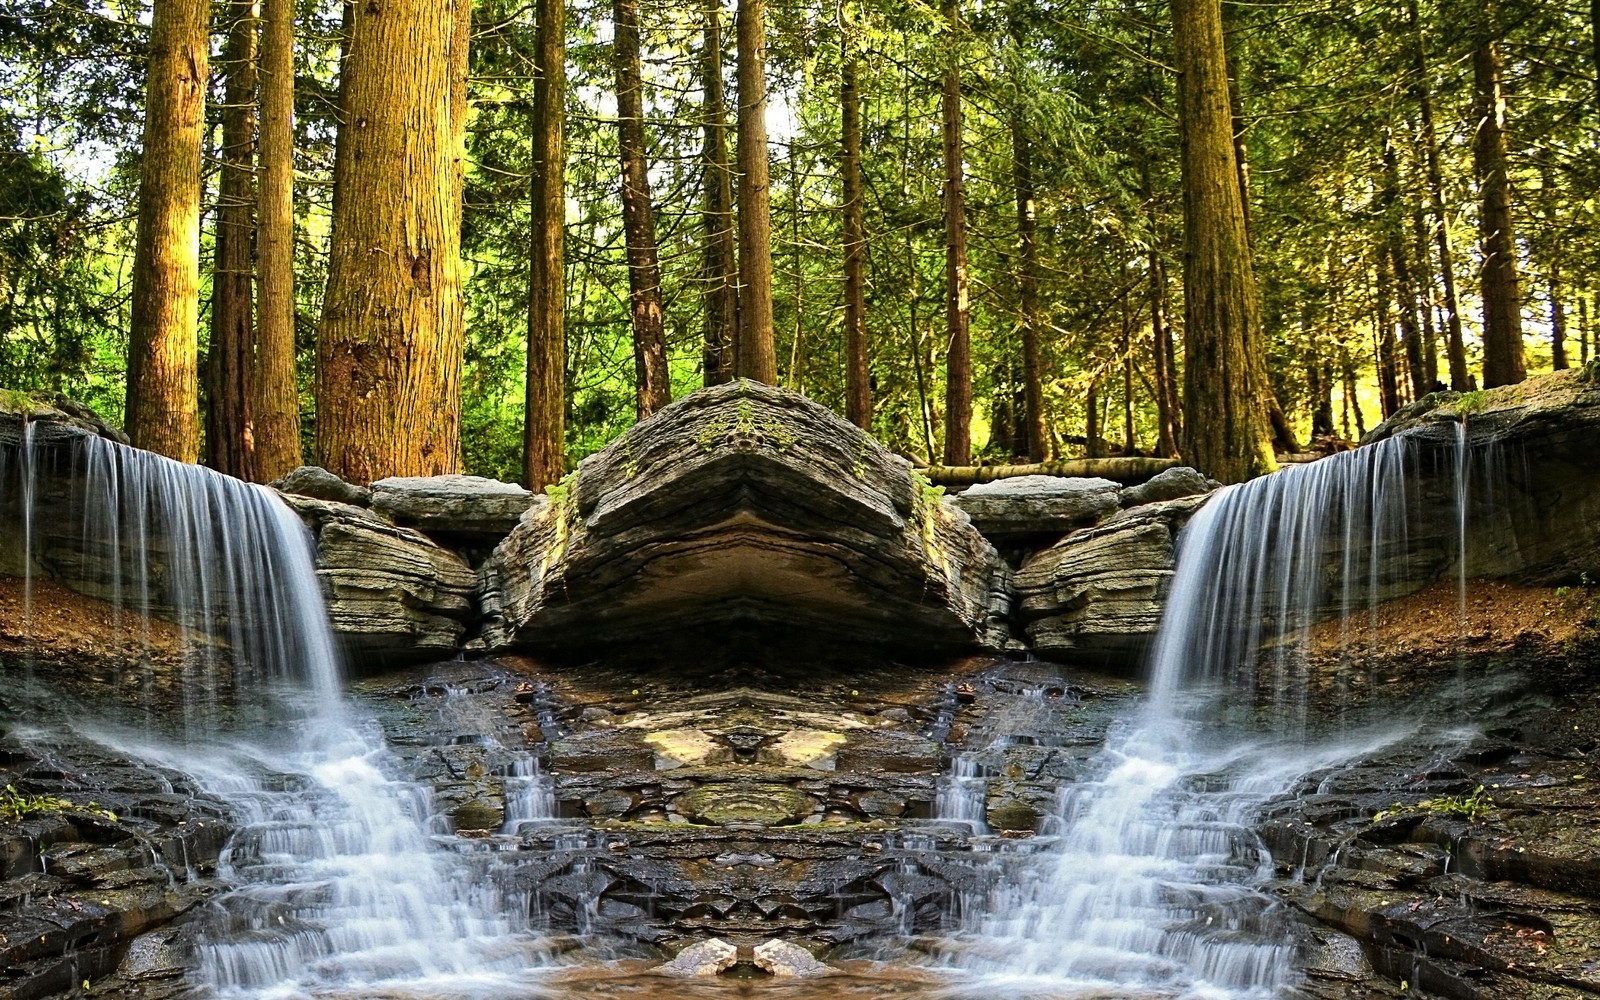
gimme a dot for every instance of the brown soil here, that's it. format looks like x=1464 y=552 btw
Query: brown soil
x=85 y=644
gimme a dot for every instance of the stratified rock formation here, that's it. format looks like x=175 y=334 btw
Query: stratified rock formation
x=1098 y=593
x=1535 y=516
x=1030 y=507
x=470 y=508
x=393 y=595
x=744 y=514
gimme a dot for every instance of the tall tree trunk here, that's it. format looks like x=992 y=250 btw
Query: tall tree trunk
x=1224 y=372
x=544 y=459
x=958 y=359
x=163 y=392
x=1169 y=431
x=389 y=349
x=758 y=353
x=1161 y=335
x=1033 y=429
x=1383 y=334
x=230 y=445
x=1406 y=291
x=1094 y=440
x=721 y=257
x=652 y=381
x=1502 y=300
x=1455 y=345
x=274 y=394
x=1558 y=321
x=858 y=373
x=1352 y=398
x=1425 y=299
x=1130 y=440
x=1583 y=330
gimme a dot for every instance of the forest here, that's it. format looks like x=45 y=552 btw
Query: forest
x=389 y=239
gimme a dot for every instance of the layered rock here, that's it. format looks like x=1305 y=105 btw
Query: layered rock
x=393 y=594
x=1534 y=513
x=1098 y=593
x=744 y=518
x=470 y=508
x=1009 y=510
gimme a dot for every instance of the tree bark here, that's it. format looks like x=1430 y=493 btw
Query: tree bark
x=163 y=392
x=1502 y=300
x=1423 y=283
x=230 y=445
x=389 y=349
x=758 y=353
x=1558 y=321
x=1224 y=372
x=958 y=356
x=274 y=393
x=652 y=380
x=721 y=257
x=544 y=434
x=858 y=372
x=1455 y=345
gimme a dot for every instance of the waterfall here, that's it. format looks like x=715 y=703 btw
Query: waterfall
x=341 y=890
x=1149 y=888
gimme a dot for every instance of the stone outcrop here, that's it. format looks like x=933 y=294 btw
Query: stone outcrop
x=1098 y=593
x=1534 y=512
x=470 y=508
x=1009 y=510
x=744 y=514
x=393 y=594
x=319 y=483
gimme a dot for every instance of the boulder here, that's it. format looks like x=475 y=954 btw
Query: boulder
x=1172 y=484
x=1097 y=594
x=1007 y=510
x=319 y=483
x=470 y=508
x=744 y=521
x=785 y=959
x=394 y=595
x=704 y=958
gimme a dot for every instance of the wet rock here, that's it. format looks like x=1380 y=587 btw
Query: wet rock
x=780 y=958
x=1037 y=506
x=1173 y=484
x=745 y=803
x=1012 y=814
x=706 y=958
x=1537 y=440
x=320 y=484
x=1098 y=592
x=477 y=815
x=453 y=507
x=739 y=521
x=394 y=595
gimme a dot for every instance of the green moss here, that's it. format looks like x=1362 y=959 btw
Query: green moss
x=17 y=401
x=1475 y=401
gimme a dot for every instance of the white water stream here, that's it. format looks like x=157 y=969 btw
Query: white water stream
x=1149 y=888
x=345 y=891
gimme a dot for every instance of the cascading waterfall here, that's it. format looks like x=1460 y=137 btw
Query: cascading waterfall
x=1149 y=890
x=342 y=889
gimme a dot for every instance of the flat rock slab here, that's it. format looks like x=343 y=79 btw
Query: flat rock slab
x=1029 y=506
x=469 y=507
x=748 y=521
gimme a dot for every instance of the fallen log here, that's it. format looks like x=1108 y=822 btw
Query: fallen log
x=1127 y=471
